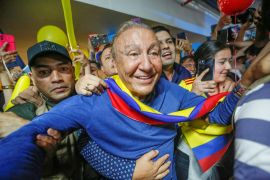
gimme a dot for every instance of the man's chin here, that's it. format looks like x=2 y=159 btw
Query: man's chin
x=60 y=96
x=167 y=63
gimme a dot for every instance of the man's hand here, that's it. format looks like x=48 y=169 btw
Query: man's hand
x=200 y=87
x=49 y=142
x=183 y=45
x=6 y=57
x=10 y=122
x=147 y=169
x=29 y=95
x=89 y=84
x=259 y=68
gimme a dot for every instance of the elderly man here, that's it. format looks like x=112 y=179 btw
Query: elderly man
x=126 y=121
x=53 y=77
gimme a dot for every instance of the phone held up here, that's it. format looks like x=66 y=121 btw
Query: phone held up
x=181 y=35
x=10 y=40
x=99 y=40
x=206 y=64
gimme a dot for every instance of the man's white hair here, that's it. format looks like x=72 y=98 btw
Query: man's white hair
x=124 y=27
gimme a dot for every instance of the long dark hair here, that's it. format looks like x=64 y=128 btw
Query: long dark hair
x=208 y=50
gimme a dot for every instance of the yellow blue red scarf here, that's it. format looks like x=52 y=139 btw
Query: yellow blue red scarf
x=123 y=101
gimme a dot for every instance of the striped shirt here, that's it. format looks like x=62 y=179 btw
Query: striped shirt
x=252 y=129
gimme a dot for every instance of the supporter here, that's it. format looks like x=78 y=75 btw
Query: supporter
x=252 y=115
x=197 y=133
x=136 y=53
x=106 y=61
x=52 y=75
x=5 y=76
x=171 y=70
x=189 y=63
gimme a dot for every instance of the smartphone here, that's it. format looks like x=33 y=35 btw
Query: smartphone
x=11 y=41
x=222 y=36
x=206 y=64
x=250 y=34
x=99 y=39
x=181 y=35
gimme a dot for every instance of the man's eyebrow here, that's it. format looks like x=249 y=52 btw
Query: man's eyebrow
x=153 y=45
x=47 y=66
x=170 y=38
x=131 y=46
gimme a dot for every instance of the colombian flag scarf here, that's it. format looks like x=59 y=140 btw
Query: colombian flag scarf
x=123 y=101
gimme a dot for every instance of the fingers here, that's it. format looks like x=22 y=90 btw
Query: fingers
x=163 y=174
x=93 y=89
x=46 y=141
x=54 y=133
x=90 y=84
x=161 y=160
x=150 y=155
x=162 y=166
x=202 y=74
x=103 y=84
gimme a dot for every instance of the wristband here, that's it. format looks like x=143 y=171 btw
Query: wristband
x=240 y=90
x=8 y=87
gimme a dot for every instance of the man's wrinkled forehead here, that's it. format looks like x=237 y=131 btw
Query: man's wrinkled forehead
x=136 y=37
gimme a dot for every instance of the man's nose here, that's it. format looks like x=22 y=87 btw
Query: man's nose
x=164 y=45
x=146 y=64
x=56 y=76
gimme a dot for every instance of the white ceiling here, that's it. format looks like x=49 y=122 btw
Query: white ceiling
x=24 y=18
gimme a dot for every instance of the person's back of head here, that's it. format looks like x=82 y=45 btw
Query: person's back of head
x=157 y=29
x=266 y=14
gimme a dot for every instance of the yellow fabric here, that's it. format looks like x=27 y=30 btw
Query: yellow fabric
x=142 y=106
x=184 y=113
x=199 y=131
x=187 y=84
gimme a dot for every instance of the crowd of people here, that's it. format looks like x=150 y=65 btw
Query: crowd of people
x=136 y=112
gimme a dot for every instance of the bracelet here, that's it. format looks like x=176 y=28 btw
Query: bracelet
x=8 y=87
x=240 y=90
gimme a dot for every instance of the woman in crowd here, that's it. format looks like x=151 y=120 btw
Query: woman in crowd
x=192 y=162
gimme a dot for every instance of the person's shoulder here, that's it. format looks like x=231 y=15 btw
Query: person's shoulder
x=258 y=93
x=170 y=86
x=24 y=106
x=26 y=110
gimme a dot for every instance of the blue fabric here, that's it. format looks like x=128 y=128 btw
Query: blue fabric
x=113 y=167
x=180 y=73
x=247 y=172
x=113 y=132
x=258 y=136
x=223 y=112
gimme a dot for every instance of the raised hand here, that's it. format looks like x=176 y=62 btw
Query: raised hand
x=29 y=95
x=200 y=87
x=89 y=84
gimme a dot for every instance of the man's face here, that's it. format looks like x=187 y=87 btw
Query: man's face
x=167 y=48
x=108 y=64
x=137 y=57
x=54 y=78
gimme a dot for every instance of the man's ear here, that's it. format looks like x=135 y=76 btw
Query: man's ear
x=73 y=71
